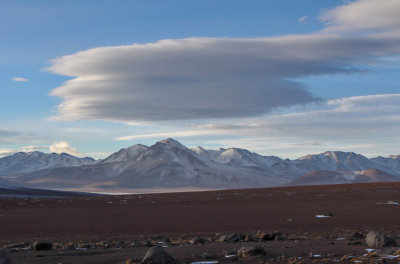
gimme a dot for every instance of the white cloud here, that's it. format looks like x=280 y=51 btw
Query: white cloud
x=172 y=134
x=33 y=148
x=6 y=152
x=206 y=78
x=64 y=147
x=364 y=15
x=19 y=79
x=303 y=19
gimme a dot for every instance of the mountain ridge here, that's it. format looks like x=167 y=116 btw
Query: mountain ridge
x=170 y=164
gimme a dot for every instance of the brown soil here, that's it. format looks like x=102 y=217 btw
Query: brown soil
x=292 y=210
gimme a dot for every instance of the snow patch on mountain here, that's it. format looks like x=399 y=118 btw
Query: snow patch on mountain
x=26 y=162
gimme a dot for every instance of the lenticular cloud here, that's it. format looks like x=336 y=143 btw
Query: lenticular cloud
x=198 y=78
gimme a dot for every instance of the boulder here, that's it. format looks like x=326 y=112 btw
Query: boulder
x=377 y=240
x=43 y=245
x=245 y=252
x=157 y=255
x=263 y=236
x=5 y=256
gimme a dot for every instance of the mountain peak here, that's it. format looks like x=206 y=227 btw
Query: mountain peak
x=170 y=142
x=125 y=154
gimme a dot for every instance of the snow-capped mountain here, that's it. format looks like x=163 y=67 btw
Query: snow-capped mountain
x=125 y=154
x=335 y=160
x=169 y=164
x=341 y=177
x=26 y=162
x=390 y=164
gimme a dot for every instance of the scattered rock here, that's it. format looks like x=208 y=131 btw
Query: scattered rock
x=260 y=235
x=357 y=235
x=377 y=239
x=280 y=238
x=234 y=237
x=248 y=237
x=194 y=241
x=206 y=256
x=18 y=245
x=354 y=243
x=245 y=252
x=222 y=238
x=70 y=246
x=43 y=245
x=157 y=255
x=148 y=243
x=266 y=236
x=5 y=256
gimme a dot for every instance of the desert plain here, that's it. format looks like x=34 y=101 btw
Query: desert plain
x=305 y=224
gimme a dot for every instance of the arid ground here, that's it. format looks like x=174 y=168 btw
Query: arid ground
x=112 y=229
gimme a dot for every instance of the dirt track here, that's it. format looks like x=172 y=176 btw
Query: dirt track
x=291 y=210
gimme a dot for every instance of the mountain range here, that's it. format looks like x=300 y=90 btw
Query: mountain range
x=169 y=164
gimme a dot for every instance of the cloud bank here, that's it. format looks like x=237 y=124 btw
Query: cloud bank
x=197 y=78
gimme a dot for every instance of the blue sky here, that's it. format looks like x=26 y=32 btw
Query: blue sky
x=280 y=78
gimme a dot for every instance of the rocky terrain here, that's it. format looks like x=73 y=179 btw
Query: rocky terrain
x=304 y=224
x=170 y=165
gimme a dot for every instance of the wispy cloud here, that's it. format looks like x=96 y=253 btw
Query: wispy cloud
x=19 y=79
x=15 y=137
x=173 y=134
x=6 y=152
x=34 y=148
x=303 y=19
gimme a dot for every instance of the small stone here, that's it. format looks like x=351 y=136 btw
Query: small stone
x=157 y=255
x=234 y=237
x=148 y=243
x=222 y=238
x=245 y=252
x=357 y=235
x=194 y=241
x=248 y=237
x=42 y=245
x=69 y=246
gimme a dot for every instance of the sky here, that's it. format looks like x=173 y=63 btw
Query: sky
x=278 y=77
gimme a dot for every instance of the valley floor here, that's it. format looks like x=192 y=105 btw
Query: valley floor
x=127 y=223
